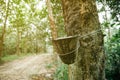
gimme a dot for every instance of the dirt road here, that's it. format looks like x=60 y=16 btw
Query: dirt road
x=35 y=67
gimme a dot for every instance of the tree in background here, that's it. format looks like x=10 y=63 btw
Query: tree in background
x=114 y=6
x=81 y=18
x=51 y=20
x=4 y=27
x=27 y=28
x=110 y=10
x=113 y=57
x=115 y=9
x=57 y=13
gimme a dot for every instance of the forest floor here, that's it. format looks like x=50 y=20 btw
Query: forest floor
x=34 y=67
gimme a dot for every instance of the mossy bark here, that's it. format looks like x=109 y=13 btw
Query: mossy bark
x=81 y=18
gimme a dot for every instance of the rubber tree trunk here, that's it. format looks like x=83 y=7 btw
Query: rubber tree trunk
x=81 y=18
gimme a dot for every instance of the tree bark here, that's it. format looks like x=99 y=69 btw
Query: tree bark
x=81 y=18
x=51 y=20
x=52 y=25
x=4 y=28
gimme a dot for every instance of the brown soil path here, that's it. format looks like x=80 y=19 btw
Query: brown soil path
x=35 y=67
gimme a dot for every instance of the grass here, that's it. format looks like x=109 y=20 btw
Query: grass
x=8 y=58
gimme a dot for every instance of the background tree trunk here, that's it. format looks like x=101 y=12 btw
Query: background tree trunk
x=52 y=25
x=18 y=42
x=51 y=20
x=81 y=18
x=1 y=44
x=4 y=28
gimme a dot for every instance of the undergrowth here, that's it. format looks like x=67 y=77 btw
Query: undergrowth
x=8 y=58
x=61 y=72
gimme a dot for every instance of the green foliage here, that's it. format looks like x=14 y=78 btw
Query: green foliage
x=2 y=11
x=8 y=58
x=112 y=39
x=61 y=72
x=50 y=65
x=114 y=5
x=113 y=57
